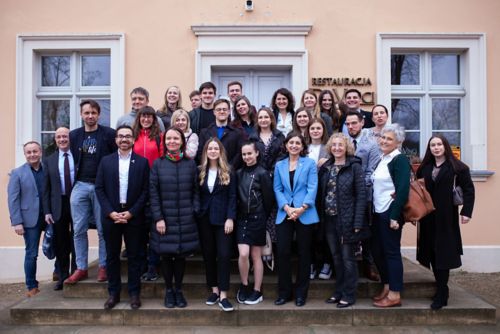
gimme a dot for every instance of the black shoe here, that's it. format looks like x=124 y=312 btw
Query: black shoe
x=333 y=300
x=58 y=286
x=299 y=301
x=254 y=298
x=212 y=299
x=180 y=301
x=135 y=302
x=169 y=299
x=281 y=301
x=111 y=302
x=225 y=305
x=344 y=304
x=242 y=293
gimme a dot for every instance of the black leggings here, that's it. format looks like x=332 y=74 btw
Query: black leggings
x=173 y=267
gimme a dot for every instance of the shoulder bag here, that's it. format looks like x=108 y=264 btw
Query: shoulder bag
x=419 y=202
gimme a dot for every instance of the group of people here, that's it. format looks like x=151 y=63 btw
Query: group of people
x=227 y=176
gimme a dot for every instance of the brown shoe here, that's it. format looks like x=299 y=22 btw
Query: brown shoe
x=32 y=292
x=381 y=295
x=77 y=276
x=371 y=273
x=111 y=302
x=101 y=275
x=386 y=302
x=135 y=302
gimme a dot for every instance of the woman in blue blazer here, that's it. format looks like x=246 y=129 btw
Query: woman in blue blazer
x=216 y=223
x=295 y=187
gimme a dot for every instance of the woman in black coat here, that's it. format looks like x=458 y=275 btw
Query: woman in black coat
x=174 y=201
x=216 y=221
x=439 y=244
x=341 y=201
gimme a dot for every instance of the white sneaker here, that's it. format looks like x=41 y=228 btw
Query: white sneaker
x=326 y=272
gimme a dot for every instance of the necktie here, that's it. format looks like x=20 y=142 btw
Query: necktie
x=355 y=143
x=67 y=176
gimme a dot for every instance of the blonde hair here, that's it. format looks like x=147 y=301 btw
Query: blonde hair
x=178 y=113
x=178 y=105
x=348 y=145
x=223 y=168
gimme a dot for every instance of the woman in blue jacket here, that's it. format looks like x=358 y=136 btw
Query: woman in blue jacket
x=295 y=187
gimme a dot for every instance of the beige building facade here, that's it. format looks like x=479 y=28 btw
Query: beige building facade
x=434 y=64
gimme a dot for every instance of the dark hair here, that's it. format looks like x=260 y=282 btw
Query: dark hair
x=352 y=90
x=271 y=116
x=155 y=126
x=93 y=104
x=193 y=93
x=290 y=98
x=183 y=138
x=141 y=91
x=292 y=134
x=237 y=122
x=235 y=83
x=429 y=158
x=354 y=113
x=219 y=101
x=294 y=121
x=124 y=126
x=333 y=113
x=383 y=107
x=207 y=85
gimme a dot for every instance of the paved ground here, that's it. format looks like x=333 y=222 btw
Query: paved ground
x=485 y=285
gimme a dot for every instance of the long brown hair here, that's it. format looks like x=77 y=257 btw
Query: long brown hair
x=223 y=167
x=155 y=126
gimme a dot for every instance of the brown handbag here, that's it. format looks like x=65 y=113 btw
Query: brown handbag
x=419 y=202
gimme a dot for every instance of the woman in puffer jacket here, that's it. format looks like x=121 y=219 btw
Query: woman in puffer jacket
x=174 y=201
x=341 y=200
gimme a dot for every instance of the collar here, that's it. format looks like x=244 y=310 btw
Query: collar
x=61 y=153
x=392 y=154
x=124 y=157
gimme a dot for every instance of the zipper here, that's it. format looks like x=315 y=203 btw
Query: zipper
x=250 y=193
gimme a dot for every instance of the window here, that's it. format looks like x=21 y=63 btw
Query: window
x=65 y=80
x=436 y=83
x=55 y=73
x=427 y=97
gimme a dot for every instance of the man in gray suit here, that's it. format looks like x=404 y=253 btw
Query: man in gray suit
x=25 y=207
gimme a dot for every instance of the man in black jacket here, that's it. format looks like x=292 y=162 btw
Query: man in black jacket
x=89 y=144
x=203 y=116
x=230 y=137
x=352 y=99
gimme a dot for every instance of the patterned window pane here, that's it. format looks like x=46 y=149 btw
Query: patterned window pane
x=453 y=137
x=411 y=145
x=445 y=69
x=406 y=112
x=55 y=71
x=96 y=70
x=445 y=114
x=405 y=69
x=55 y=113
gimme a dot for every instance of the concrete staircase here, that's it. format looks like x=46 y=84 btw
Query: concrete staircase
x=82 y=304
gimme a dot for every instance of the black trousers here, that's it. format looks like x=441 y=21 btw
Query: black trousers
x=216 y=247
x=133 y=237
x=63 y=241
x=173 y=267
x=284 y=238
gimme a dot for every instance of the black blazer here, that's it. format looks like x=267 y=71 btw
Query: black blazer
x=232 y=139
x=107 y=186
x=105 y=138
x=52 y=192
x=220 y=204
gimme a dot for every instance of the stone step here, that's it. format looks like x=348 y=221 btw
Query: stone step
x=418 y=283
x=51 y=308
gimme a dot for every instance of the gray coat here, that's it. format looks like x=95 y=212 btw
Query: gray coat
x=23 y=200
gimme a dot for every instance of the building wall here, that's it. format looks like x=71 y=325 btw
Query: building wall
x=160 y=51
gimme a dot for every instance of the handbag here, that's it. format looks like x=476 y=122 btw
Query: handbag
x=458 y=193
x=48 y=247
x=419 y=202
x=267 y=252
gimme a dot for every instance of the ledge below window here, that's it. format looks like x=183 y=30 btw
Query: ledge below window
x=481 y=175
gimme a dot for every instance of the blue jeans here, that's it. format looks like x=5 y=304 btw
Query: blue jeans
x=344 y=261
x=32 y=242
x=85 y=208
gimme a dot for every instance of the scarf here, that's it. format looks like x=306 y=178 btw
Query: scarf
x=174 y=156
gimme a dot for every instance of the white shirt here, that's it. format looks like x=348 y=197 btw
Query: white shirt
x=212 y=176
x=123 y=167
x=383 y=187
x=285 y=126
x=314 y=150
x=61 y=169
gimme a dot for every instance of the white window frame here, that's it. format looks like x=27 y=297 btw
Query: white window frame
x=253 y=45
x=28 y=49
x=473 y=79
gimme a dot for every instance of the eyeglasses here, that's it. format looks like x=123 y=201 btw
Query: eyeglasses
x=221 y=110
x=124 y=136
